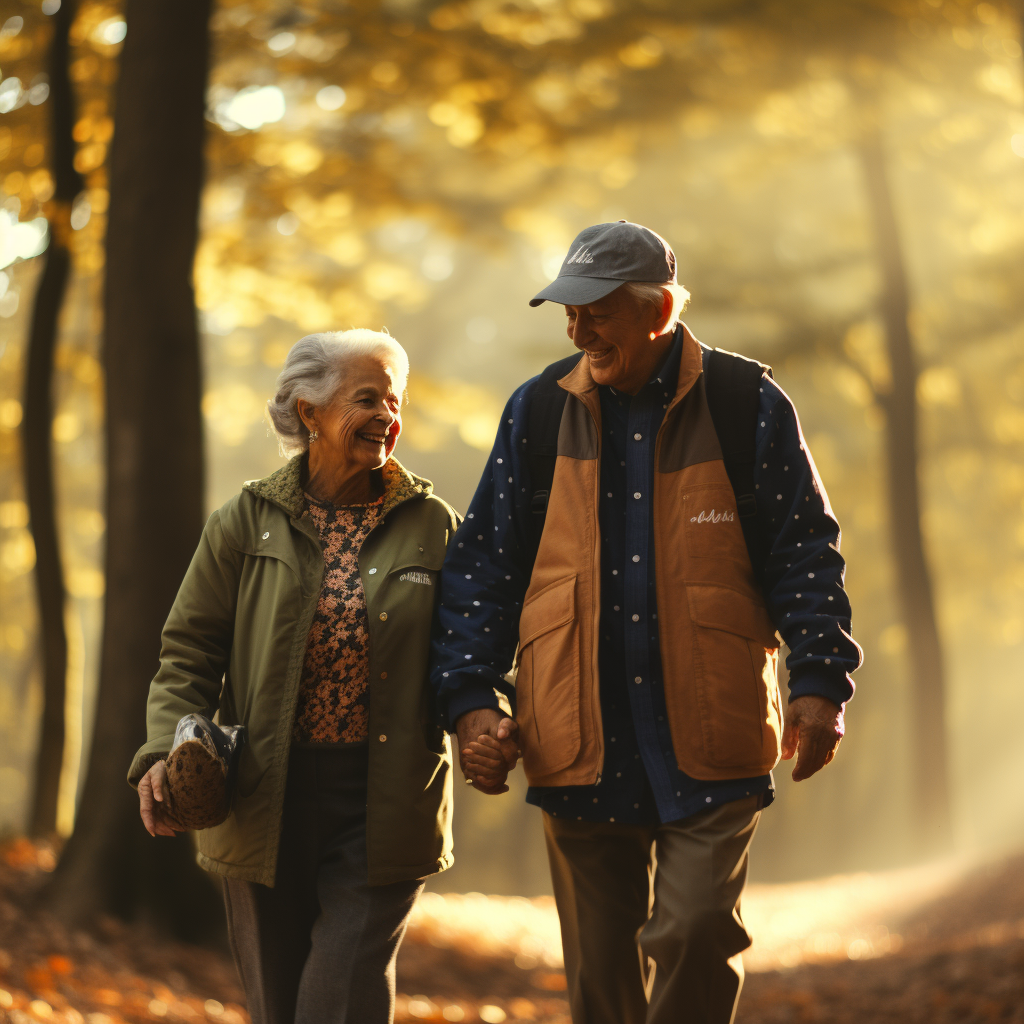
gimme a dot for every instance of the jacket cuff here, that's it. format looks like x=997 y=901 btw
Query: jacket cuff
x=836 y=688
x=148 y=755
x=470 y=696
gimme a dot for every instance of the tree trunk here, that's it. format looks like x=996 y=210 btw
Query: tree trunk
x=930 y=783
x=37 y=433
x=154 y=463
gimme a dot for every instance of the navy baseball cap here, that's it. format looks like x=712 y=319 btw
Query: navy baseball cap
x=605 y=256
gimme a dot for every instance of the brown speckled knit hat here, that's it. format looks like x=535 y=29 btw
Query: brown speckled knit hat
x=201 y=770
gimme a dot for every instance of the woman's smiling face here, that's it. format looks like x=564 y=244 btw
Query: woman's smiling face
x=361 y=425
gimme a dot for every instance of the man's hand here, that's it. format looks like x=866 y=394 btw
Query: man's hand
x=488 y=748
x=815 y=726
x=153 y=802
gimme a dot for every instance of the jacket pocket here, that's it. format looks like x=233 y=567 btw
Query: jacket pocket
x=735 y=655
x=250 y=773
x=548 y=681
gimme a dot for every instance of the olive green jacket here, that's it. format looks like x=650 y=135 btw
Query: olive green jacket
x=234 y=644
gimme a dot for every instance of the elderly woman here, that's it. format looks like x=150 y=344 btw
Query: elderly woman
x=305 y=616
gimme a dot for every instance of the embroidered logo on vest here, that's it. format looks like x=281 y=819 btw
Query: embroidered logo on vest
x=714 y=517
x=417 y=577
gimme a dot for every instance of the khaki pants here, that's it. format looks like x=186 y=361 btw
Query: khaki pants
x=690 y=934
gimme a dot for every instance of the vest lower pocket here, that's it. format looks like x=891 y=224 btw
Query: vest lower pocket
x=548 y=680
x=735 y=669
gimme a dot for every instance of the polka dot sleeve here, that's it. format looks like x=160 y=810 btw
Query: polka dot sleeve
x=485 y=577
x=804 y=574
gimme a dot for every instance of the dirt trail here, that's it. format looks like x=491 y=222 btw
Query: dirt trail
x=938 y=944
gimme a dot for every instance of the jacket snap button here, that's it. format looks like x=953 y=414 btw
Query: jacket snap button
x=382 y=737
x=383 y=675
x=383 y=616
x=266 y=536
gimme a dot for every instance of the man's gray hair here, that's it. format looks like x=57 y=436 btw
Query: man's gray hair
x=649 y=293
x=313 y=371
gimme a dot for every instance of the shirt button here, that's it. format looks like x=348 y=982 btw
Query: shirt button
x=266 y=536
x=372 y=571
x=636 y=618
x=636 y=494
x=383 y=738
x=636 y=437
x=637 y=679
x=383 y=616
x=383 y=675
x=636 y=558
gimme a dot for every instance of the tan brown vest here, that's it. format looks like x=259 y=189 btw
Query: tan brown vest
x=718 y=645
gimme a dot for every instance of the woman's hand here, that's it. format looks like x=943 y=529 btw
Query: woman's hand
x=153 y=793
x=484 y=763
x=488 y=749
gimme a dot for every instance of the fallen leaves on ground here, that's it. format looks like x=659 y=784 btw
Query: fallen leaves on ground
x=114 y=974
x=959 y=959
x=935 y=945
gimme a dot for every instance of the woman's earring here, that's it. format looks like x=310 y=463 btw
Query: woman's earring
x=653 y=335
x=313 y=435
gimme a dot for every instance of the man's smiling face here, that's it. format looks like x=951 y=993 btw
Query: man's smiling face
x=615 y=332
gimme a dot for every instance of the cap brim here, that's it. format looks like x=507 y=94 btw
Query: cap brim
x=576 y=291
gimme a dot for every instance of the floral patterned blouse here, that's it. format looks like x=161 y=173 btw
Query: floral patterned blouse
x=333 y=700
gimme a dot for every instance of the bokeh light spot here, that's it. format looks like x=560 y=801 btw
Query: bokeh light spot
x=21 y=240
x=437 y=265
x=10 y=94
x=330 y=97
x=287 y=223
x=281 y=43
x=255 y=106
x=111 y=31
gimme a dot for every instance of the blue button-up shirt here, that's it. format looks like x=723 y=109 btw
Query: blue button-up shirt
x=486 y=575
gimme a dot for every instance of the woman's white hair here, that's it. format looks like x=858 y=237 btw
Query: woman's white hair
x=652 y=293
x=314 y=369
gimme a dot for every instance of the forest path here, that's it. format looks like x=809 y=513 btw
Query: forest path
x=941 y=943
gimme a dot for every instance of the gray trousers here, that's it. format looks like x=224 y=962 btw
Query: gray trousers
x=320 y=947
x=690 y=935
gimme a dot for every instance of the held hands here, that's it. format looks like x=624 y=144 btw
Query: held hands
x=153 y=808
x=488 y=749
x=815 y=726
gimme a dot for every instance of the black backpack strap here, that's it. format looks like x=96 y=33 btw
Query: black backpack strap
x=732 y=384
x=547 y=401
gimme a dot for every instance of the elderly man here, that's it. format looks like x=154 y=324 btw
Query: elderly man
x=648 y=518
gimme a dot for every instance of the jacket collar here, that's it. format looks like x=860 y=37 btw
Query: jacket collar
x=284 y=487
x=579 y=382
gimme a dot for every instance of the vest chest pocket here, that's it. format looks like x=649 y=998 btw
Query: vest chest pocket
x=548 y=681
x=735 y=654
x=713 y=532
